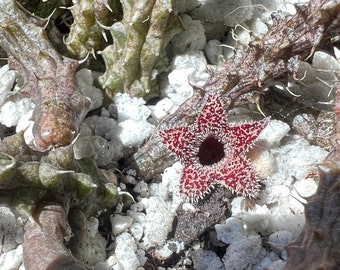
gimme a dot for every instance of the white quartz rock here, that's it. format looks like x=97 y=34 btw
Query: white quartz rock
x=278 y=240
x=232 y=230
x=274 y=132
x=256 y=219
x=191 y=39
x=85 y=83
x=130 y=108
x=120 y=223
x=213 y=50
x=7 y=80
x=133 y=133
x=188 y=68
x=15 y=107
x=243 y=253
x=11 y=259
x=126 y=251
x=206 y=260
x=157 y=212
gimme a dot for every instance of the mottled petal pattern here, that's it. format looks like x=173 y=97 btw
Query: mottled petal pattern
x=243 y=135
x=212 y=114
x=238 y=176
x=178 y=141
x=213 y=152
x=195 y=182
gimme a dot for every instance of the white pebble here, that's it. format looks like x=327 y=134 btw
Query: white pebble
x=298 y=158
x=213 y=50
x=157 y=212
x=231 y=231
x=137 y=216
x=11 y=259
x=305 y=187
x=191 y=39
x=274 y=132
x=137 y=207
x=243 y=253
x=131 y=108
x=257 y=218
x=14 y=108
x=120 y=223
x=85 y=82
x=24 y=121
x=7 y=80
x=126 y=251
x=162 y=108
x=206 y=260
x=258 y=27
x=133 y=133
x=283 y=221
x=279 y=239
x=137 y=230
x=142 y=189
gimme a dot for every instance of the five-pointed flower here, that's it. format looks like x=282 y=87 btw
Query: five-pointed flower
x=213 y=151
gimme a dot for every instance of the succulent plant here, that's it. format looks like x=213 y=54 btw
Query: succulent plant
x=87 y=34
x=44 y=182
x=137 y=54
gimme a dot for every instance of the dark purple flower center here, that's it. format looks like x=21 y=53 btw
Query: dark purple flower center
x=211 y=151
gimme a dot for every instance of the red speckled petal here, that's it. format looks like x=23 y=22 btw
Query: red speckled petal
x=239 y=177
x=195 y=182
x=242 y=136
x=212 y=114
x=178 y=141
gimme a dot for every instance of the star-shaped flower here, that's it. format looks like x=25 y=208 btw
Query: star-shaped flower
x=213 y=151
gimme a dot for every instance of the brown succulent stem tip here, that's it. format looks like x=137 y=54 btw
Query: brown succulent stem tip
x=48 y=78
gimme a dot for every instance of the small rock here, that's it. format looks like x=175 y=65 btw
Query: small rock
x=213 y=50
x=157 y=212
x=126 y=252
x=243 y=253
x=85 y=82
x=191 y=39
x=142 y=189
x=11 y=259
x=15 y=107
x=163 y=108
x=130 y=108
x=206 y=260
x=274 y=132
x=133 y=133
x=120 y=223
x=230 y=231
x=256 y=219
x=279 y=239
